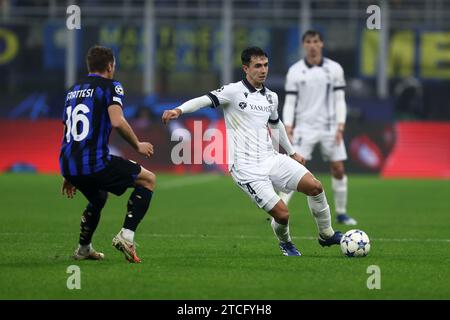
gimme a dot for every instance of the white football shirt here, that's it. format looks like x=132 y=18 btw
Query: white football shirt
x=314 y=86
x=247 y=112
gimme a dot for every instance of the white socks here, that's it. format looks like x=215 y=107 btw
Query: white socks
x=340 y=194
x=127 y=234
x=281 y=231
x=286 y=196
x=321 y=212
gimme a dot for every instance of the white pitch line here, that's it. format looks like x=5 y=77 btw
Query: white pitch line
x=156 y=235
x=262 y=237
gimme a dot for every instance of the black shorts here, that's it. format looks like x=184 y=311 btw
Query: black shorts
x=118 y=175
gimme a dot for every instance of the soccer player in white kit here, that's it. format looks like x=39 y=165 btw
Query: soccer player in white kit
x=256 y=167
x=315 y=101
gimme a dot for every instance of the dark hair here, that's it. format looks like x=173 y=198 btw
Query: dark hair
x=98 y=58
x=250 y=52
x=312 y=33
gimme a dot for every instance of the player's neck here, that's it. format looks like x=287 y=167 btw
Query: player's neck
x=314 y=60
x=101 y=74
x=258 y=85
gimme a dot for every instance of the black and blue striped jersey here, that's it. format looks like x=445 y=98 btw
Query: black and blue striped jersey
x=87 y=125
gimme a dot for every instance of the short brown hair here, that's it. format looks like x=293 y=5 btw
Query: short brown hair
x=312 y=33
x=98 y=58
x=248 y=53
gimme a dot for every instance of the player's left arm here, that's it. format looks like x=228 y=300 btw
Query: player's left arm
x=339 y=102
x=280 y=135
x=118 y=121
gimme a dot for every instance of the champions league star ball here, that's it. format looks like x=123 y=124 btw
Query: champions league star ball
x=355 y=243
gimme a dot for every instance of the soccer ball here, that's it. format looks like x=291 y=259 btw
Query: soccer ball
x=355 y=243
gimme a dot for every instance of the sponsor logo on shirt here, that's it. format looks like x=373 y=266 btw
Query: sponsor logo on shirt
x=261 y=108
x=242 y=105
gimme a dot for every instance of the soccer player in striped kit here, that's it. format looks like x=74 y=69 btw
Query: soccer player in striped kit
x=93 y=107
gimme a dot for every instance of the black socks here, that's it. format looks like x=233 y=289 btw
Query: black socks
x=137 y=207
x=89 y=222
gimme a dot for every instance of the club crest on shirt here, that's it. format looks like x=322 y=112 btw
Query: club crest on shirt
x=269 y=98
x=246 y=94
x=242 y=105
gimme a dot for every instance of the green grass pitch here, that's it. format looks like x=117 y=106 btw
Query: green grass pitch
x=204 y=239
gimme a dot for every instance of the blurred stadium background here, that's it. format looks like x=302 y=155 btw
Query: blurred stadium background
x=398 y=78
x=195 y=244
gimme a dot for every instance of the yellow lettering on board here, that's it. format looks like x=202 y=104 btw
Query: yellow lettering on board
x=435 y=55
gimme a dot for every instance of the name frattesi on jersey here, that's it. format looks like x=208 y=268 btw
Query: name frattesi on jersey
x=84 y=93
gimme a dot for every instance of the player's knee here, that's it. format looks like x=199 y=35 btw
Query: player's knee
x=282 y=219
x=150 y=181
x=315 y=188
x=339 y=175
x=337 y=171
x=96 y=204
x=281 y=215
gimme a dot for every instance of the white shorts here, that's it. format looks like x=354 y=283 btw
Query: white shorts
x=284 y=175
x=305 y=141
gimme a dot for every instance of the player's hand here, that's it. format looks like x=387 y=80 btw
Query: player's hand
x=290 y=133
x=170 y=114
x=298 y=158
x=68 y=189
x=145 y=148
x=339 y=136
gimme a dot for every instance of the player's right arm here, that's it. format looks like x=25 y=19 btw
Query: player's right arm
x=187 y=107
x=67 y=188
x=119 y=122
x=216 y=98
x=289 y=103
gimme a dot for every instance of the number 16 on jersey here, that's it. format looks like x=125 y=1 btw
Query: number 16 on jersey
x=73 y=117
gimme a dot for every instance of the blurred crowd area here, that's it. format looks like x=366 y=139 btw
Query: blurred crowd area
x=188 y=51
x=330 y=4
x=168 y=51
